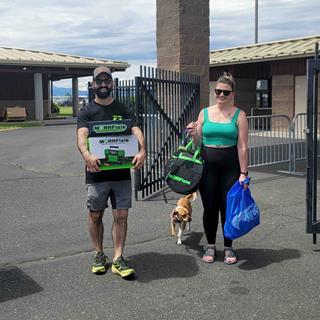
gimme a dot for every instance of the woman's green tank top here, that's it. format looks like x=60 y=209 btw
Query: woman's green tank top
x=220 y=133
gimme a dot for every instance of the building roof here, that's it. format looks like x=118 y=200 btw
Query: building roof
x=24 y=57
x=285 y=49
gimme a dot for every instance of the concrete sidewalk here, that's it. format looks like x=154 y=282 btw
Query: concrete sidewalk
x=46 y=252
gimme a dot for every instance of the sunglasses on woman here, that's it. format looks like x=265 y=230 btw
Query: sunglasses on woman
x=225 y=92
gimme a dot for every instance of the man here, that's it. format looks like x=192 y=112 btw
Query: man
x=109 y=184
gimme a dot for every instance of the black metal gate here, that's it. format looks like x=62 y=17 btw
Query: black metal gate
x=313 y=69
x=165 y=101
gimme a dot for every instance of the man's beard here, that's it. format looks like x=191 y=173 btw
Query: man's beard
x=103 y=94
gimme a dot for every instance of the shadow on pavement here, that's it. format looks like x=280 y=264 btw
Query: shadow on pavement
x=167 y=266
x=249 y=259
x=14 y=283
x=259 y=258
x=165 y=195
x=192 y=241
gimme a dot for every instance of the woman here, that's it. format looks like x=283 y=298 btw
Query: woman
x=222 y=129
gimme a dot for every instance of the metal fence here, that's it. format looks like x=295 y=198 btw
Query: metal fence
x=276 y=139
x=270 y=140
x=165 y=101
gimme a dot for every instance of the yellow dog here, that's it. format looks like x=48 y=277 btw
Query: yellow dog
x=181 y=215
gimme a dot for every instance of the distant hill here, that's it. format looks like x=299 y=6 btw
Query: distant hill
x=61 y=92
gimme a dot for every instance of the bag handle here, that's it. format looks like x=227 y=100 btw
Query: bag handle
x=188 y=147
x=247 y=182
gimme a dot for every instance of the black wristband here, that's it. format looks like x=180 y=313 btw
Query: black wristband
x=245 y=173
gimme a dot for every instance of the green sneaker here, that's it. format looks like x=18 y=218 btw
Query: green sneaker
x=99 y=263
x=121 y=267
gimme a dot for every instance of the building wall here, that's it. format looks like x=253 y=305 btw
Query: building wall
x=28 y=104
x=283 y=73
x=300 y=94
x=17 y=89
x=20 y=86
x=283 y=95
x=245 y=94
x=212 y=96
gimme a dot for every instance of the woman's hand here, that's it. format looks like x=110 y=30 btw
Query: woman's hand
x=192 y=128
x=241 y=179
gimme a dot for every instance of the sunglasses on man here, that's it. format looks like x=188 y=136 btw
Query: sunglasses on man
x=100 y=81
x=225 y=92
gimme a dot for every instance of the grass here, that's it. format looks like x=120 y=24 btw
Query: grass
x=65 y=112
x=10 y=126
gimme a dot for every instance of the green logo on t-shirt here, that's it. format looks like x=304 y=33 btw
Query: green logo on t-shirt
x=110 y=128
x=115 y=117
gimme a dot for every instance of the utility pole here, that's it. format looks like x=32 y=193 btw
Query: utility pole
x=256 y=22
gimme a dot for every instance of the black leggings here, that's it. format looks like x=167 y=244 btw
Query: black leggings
x=221 y=171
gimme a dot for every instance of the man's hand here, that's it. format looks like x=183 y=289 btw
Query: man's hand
x=92 y=163
x=138 y=159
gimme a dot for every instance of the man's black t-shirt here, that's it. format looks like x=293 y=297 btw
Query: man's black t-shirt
x=97 y=112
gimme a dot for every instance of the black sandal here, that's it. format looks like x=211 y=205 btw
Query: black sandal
x=209 y=255
x=229 y=256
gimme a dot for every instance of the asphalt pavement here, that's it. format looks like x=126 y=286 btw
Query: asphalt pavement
x=46 y=254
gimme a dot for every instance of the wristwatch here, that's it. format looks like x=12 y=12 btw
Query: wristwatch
x=245 y=173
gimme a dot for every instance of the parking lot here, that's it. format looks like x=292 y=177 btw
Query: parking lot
x=46 y=252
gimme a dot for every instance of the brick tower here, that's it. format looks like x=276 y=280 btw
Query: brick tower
x=183 y=39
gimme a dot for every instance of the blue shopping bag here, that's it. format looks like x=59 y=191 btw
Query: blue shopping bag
x=242 y=213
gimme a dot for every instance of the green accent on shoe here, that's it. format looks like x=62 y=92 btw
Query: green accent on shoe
x=121 y=267
x=99 y=263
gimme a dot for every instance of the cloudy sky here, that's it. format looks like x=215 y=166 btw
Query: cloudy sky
x=126 y=29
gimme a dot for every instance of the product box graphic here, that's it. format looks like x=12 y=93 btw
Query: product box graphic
x=114 y=152
x=109 y=127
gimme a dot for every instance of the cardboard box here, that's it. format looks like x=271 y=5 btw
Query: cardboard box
x=115 y=152
x=15 y=114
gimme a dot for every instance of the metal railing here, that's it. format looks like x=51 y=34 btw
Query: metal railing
x=275 y=139
x=270 y=140
x=299 y=134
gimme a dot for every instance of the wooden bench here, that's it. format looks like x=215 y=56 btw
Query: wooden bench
x=15 y=114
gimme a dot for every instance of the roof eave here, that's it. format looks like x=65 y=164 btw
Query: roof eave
x=274 y=58
x=118 y=65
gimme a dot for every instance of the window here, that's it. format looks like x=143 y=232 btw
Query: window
x=263 y=94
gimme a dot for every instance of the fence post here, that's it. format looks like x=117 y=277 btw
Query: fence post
x=116 y=84
x=292 y=147
x=137 y=107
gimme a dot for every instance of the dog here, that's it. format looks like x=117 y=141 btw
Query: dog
x=181 y=215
